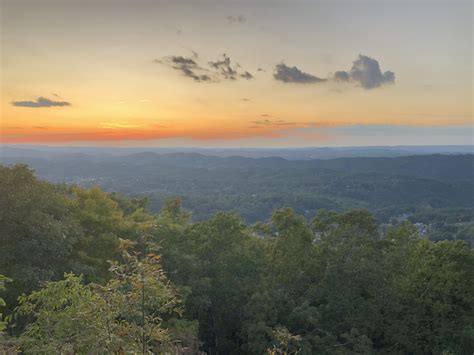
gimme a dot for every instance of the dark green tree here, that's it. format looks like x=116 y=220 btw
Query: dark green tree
x=37 y=231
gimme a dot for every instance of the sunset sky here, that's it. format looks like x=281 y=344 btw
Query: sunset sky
x=236 y=73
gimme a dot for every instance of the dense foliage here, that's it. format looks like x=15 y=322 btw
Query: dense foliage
x=124 y=315
x=87 y=276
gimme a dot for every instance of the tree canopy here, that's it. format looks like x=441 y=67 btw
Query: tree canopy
x=95 y=271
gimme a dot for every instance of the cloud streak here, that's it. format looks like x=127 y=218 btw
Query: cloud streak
x=268 y=122
x=41 y=102
x=187 y=66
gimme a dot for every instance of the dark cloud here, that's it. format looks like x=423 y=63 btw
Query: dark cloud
x=246 y=99
x=187 y=66
x=40 y=102
x=236 y=19
x=294 y=75
x=183 y=61
x=342 y=76
x=213 y=71
x=246 y=75
x=224 y=68
x=366 y=71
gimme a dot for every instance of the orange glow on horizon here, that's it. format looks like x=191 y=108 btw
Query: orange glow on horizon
x=123 y=131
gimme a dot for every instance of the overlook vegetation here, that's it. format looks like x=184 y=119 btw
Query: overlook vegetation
x=89 y=271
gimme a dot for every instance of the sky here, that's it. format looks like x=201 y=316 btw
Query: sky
x=236 y=73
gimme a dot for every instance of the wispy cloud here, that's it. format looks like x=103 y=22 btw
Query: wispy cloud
x=220 y=69
x=40 y=102
x=269 y=122
x=187 y=66
x=224 y=68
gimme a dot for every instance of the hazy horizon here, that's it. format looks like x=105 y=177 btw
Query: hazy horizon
x=89 y=146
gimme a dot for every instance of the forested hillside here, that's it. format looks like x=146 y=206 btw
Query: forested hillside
x=388 y=187
x=91 y=271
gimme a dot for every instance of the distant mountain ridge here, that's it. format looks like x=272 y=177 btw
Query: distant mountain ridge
x=436 y=166
x=253 y=187
x=287 y=153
